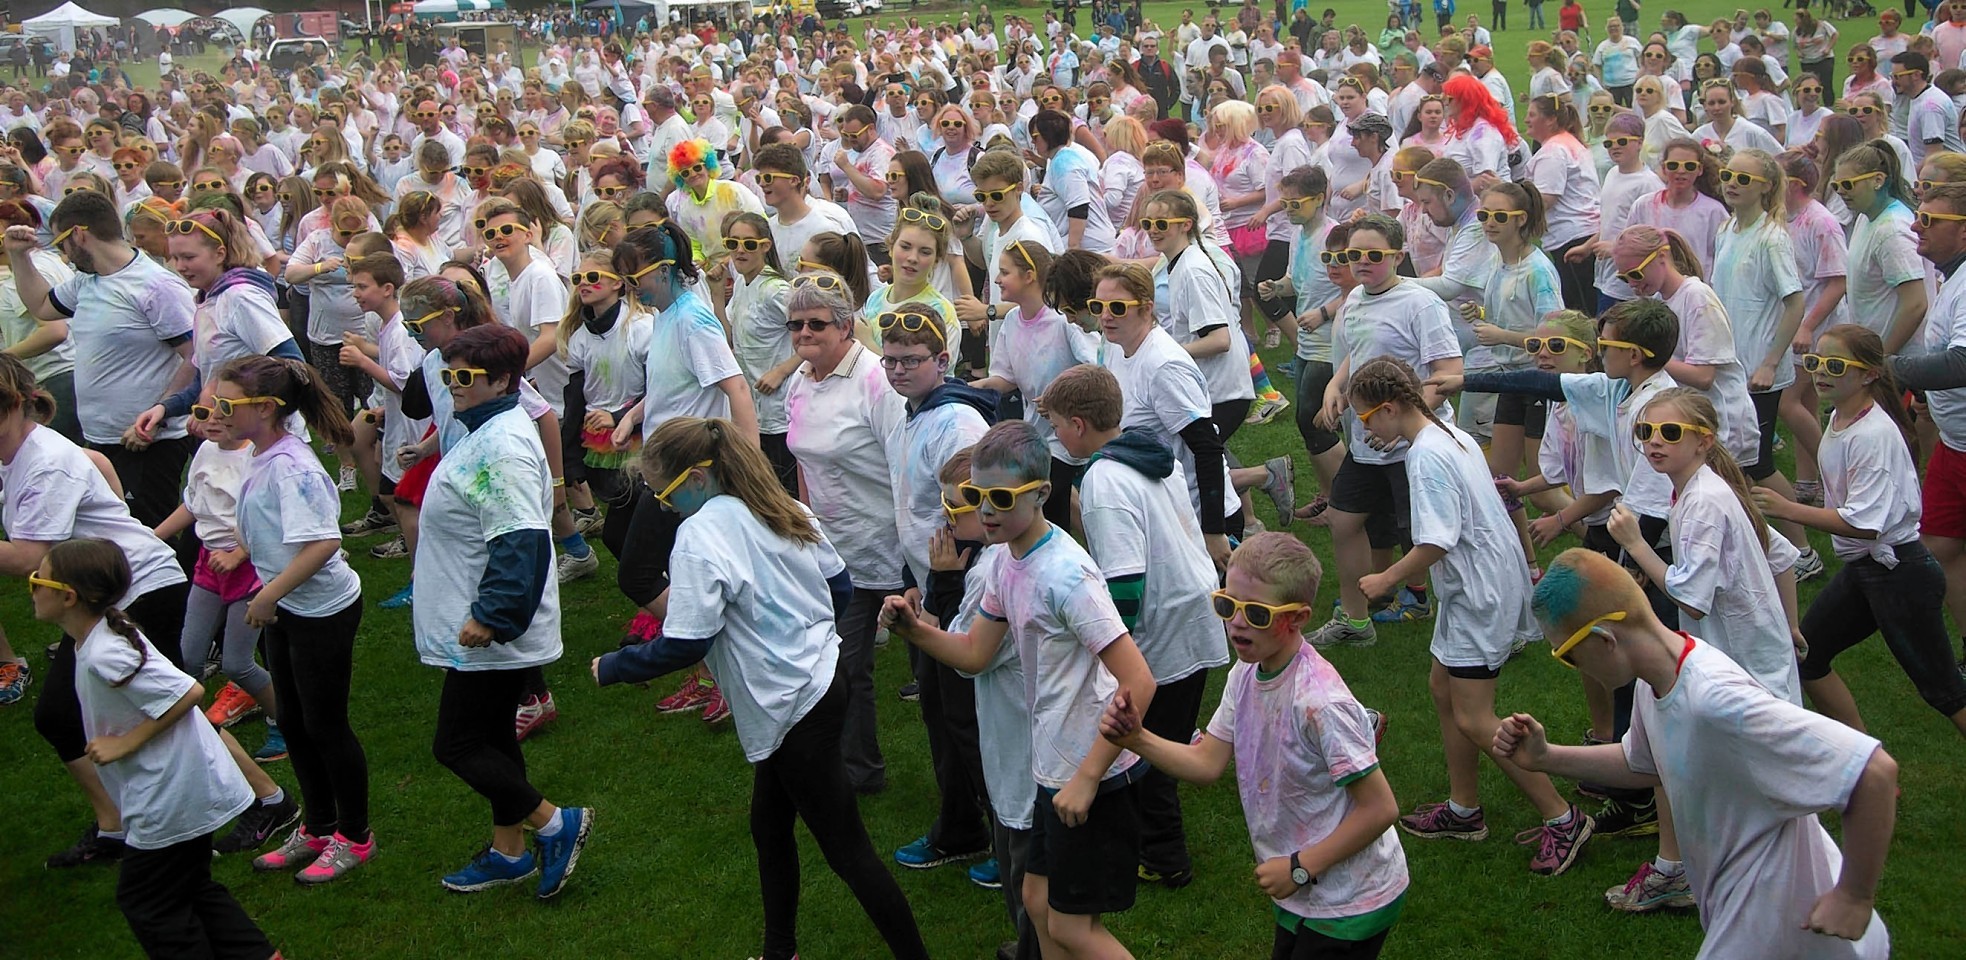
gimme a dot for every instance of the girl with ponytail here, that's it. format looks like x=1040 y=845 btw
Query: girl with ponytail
x=133 y=708
x=755 y=586
x=1481 y=606
x=1889 y=582
x=310 y=604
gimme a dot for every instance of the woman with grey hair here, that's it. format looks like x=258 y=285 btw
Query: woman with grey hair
x=842 y=413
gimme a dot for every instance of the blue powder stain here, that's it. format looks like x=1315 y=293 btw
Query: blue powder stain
x=1557 y=595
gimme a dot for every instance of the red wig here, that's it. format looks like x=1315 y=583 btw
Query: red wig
x=1473 y=102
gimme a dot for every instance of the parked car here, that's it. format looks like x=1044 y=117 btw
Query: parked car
x=286 y=54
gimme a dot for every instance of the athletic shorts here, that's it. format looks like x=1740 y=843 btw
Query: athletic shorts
x=1767 y=410
x=1517 y=410
x=416 y=479
x=1379 y=491
x=232 y=587
x=1945 y=494
x=1092 y=868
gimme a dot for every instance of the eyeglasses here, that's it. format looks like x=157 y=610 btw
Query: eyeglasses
x=903 y=363
x=926 y=103
x=528 y=133
x=415 y=327
x=1862 y=110
x=1297 y=204
x=651 y=268
x=423 y=115
x=1114 y=308
x=36 y=580
x=71 y=151
x=765 y=178
x=462 y=376
x=694 y=169
x=997 y=196
x=1671 y=431
x=953 y=124
x=1365 y=418
x=476 y=172
x=1502 y=217
x=1677 y=166
x=502 y=230
x=1605 y=344
x=226 y=406
x=1741 y=177
x=576 y=144
x=663 y=496
x=75 y=189
x=1259 y=616
x=999 y=498
x=808 y=326
x=326 y=193
x=1907 y=73
x=186 y=227
x=1614 y=143
x=594 y=276
x=1636 y=274
x=1562 y=651
x=59 y=237
x=1834 y=366
x=1555 y=346
x=1603 y=109
x=1858 y=61
x=851 y=134
x=911 y=321
x=1162 y=224
x=1051 y=98
x=1432 y=183
x=1925 y=217
x=208 y=184
x=263 y=188
x=1354 y=255
x=748 y=244
x=609 y=193
x=1848 y=184
x=127 y=166
x=954 y=510
x=1268 y=108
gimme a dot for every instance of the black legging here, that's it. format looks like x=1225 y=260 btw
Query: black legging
x=476 y=740
x=805 y=779
x=1579 y=279
x=58 y=714
x=1064 y=476
x=648 y=533
x=955 y=753
x=1171 y=715
x=312 y=660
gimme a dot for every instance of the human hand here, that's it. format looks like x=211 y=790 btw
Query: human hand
x=1273 y=875
x=262 y=610
x=1520 y=739
x=594 y=667
x=885 y=273
x=474 y=634
x=942 y=552
x=1838 y=914
x=622 y=432
x=1623 y=527
x=597 y=420
x=108 y=749
x=1772 y=504
x=769 y=381
x=1489 y=335
x=973 y=312
x=21 y=239
x=1446 y=384
x=1334 y=407
x=1762 y=379
x=1545 y=529
x=225 y=561
x=1376 y=585
x=408 y=455
x=898 y=616
x=147 y=422
x=1120 y=723
x=1075 y=801
x=329 y=265
x=1218 y=550
x=350 y=354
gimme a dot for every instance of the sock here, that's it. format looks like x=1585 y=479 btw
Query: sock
x=279 y=796
x=1568 y=815
x=1419 y=591
x=552 y=828
x=1361 y=623
x=576 y=546
x=116 y=834
x=1671 y=868
x=508 y=859
x=1461 y=811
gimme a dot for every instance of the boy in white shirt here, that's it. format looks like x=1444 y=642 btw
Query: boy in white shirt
x=1750 y=770
x=1319 y=809
x=1045 y=597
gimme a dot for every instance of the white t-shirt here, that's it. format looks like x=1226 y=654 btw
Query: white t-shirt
x=764 y=601
x=331 y=307
x=1515 y=297
x=1406 y=322
x=1821 y=255
x=688 y=356
x=1945 y=327
x=1003 y=718
x=181 y=784
x=1569 y=455
x=1706 y=338
x=1072 y=180
x=399 y=355
x=1698 y=223
x=1719 y=567
x=1607 y=408
x=1481 y=587
x=1565 y=174
x=1621 y=193
x=1756 y=267
x=211 y=493
x=1748 y=773
x=1931 y=124
x=1192 y=298
x=757 y=313
x=995 y=239
x=53 y=493
x=1300 y=738
x=1164 y=393
x=442 y=413
x=16 y=324
x=1883 y=254
x=1136 y=525
x=614 y=361
x=1031 y=353
x=825 y=216
x=121 y=324
x=287 y=502
x=240 y=321
x=840 y=429
x=494 y=482
x=920 y=447
x=1747 y=135
x=1480 y=149
x=536 y=296
x=1060 y=616
x=1870 y=481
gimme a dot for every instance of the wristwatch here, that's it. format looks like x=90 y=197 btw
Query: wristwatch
x=991 y=312
x=1299 y=875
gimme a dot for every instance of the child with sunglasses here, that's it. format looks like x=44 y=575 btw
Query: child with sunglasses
x=1753 y=769
x=1149 y=547
x=1889 y=583
x=1046 y=596
x=1319 y=810
x=1033 y=345
x=604 y=341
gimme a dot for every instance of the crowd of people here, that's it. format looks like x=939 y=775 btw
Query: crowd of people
x=945 y=333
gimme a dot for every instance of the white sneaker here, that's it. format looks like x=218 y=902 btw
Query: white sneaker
x=588 y=523
x=1809 y=566
x=395 y=548
x=573 y=568
x=347 y=481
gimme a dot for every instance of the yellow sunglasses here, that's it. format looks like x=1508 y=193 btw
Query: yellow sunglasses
x=999 y=498
x=415 y=327
x=187 y=227
x=1562 y=651
x=36 y=580
x=663 y=496
x=1637 y=273
x=1260 y=616
x=1834 y=366
x=1604 y=344
x=226 y=406
x=910 y=321
x=461 y=376
x=1671 y=431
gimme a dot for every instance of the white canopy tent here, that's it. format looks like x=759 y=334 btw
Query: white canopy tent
x=59 y=25
x=242 y=19
x=166 y=18
x=439 y=7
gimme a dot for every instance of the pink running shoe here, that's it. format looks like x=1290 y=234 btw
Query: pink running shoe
x=301 y=848
x=694 y=694
x=717 y=709
x=336 y=860
x=534 y=713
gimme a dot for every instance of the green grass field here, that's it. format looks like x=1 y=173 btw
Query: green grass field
x=670 y=871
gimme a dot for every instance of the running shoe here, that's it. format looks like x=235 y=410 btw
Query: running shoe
x=911 y=692
x=573 y=568
x=1280 y=482
x=1405 y=608
x=337 y=858
x=922 y=855
x=1378 y=723
x=694 y=694
x=588 y=522
x=299 y=849
x=1272 y=339
x=1650 y=890
x=232 y=705
x=14 y=675
x=275 y=747
x=1809 y=492
x=1809 y=566
x=560 y=853
x=987 y=875
x=348 y=479
x=716 y=709
x=1434 y=821
x=92 y=848
x=491 y=869
x=257 y=825
x=392 y=549
x=1339 y=631
x=533 y=713
x=641 y=628
x=371 y=524
x=401 y=598
x=1558 y=844
x=1620 y=818
x=1172 y=879
x=1266 y=411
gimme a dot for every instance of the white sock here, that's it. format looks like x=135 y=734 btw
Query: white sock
x=1671 y=868
x=1562 y=820
x=1461 y=811
x=509 y=859
x=552 y=828
x=116 y=834
x=279 y=796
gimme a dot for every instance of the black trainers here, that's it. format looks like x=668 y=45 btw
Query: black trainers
x=1617 y=818
x=92 y=848
x=911 y=692
x=257 y=825
x=1172 y=880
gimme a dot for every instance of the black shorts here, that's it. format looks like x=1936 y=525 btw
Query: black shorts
x=1092 y=868
x=1379 y=491
x=385 y=487
x=1473 y=673
x=1518 y=410
x=1767 y=407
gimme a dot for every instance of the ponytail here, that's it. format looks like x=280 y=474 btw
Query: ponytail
x=296 y=384
x=1386 y=379
x=738 y=466
x=1867 y=348
x=97 y=572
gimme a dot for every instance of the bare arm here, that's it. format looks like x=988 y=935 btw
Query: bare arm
x=1696 y=375
x=1911 y=313
x=743 y=411
x=47 y=335
x=109 y=749
x=1215 y=342
x=969 y=652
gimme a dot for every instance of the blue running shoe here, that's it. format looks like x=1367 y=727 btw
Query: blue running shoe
x=1405 y=608
x=921 y=855
x=400 y=598
x=987 y=875
x=491 y=869
x=275 y=747
x=560 y=853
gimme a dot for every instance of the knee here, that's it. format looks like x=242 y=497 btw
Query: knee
x=1037 y=899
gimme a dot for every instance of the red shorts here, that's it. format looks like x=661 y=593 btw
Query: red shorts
x=1945 y=494
x=232 y=587
x=416 y=479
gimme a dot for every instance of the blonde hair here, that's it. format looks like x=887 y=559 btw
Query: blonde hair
x=1699 y=411
x=601 y=258
x=1236 y=119
x=737 y=465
